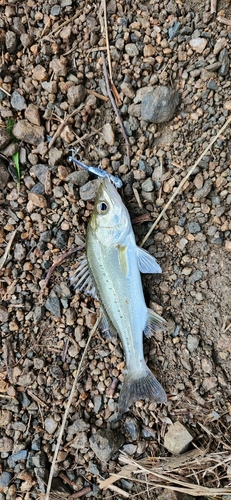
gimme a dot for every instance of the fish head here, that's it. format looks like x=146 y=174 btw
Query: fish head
x=110 y=221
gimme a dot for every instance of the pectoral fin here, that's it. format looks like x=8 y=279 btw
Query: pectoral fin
x=154 y=323
x=146 y=262
x=81 y=279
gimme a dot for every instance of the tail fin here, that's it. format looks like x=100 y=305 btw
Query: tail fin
x=144 y=387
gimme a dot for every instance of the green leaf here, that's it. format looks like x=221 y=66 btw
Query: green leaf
x=9 y=126
x=15 y=157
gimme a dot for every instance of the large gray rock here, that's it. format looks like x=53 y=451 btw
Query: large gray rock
x=25 y=131
x=160 y=105
x=88 y=191
x=4 y=138
x=76 y=95
x=177 y=439
x=11 y=42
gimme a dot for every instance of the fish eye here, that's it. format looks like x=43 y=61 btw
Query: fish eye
x=102 y=207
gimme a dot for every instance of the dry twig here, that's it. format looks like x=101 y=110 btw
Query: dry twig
x=96 y=94
x=58 y=28
x=85 y=136
x=137 y=197
x=62 y=125
x=8 y=247
x=57 y=263
x=213 y=6
x=37 y=399
x=68 y=407
x=80 y=493
x=223 y=20
x=115 y=109
x=191 y=170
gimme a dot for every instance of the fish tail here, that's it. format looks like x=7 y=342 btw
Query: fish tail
x=144 y=386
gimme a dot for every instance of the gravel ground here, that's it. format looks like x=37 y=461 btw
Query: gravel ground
x=171 y=69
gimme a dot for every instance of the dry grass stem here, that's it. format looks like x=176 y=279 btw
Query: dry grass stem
x=7 y=250
x=118 y=490
x=68 y=407
x=191 y=170
x=107 y=39
x=223 y=20
x=5 y=91
x=62 y=125
x=168 y=472
x=115 y=109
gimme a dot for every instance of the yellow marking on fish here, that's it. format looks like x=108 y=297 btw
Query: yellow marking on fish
x=93 y=221
x=122 y=252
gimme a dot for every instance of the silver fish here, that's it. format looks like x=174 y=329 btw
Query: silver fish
x=111 y=272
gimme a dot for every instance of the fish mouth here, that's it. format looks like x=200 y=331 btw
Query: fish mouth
x=109 y=189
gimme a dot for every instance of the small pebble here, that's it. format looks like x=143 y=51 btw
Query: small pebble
x=37 y=199
x=108 y=134
x=225 y=62
x=130 y=449
x=148 y=185
x=4 y=314
x=131 y=49
x=219 y=45
x=52 y=304
x=76 y=95
x=18 y=102
x=194 y=227
x=132 y=427
x=5 y=479
x=204 y=191
x=39 y=73
x=88 y=191
x=19 y=252
x=79 y=177
x=61 y=238
x=11 y=42
x=198 y=44
x=32 y=114
x=192 y=343
x=50 y=425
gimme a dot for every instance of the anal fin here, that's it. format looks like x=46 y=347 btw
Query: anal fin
x=107 y=330
x=154 y=322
